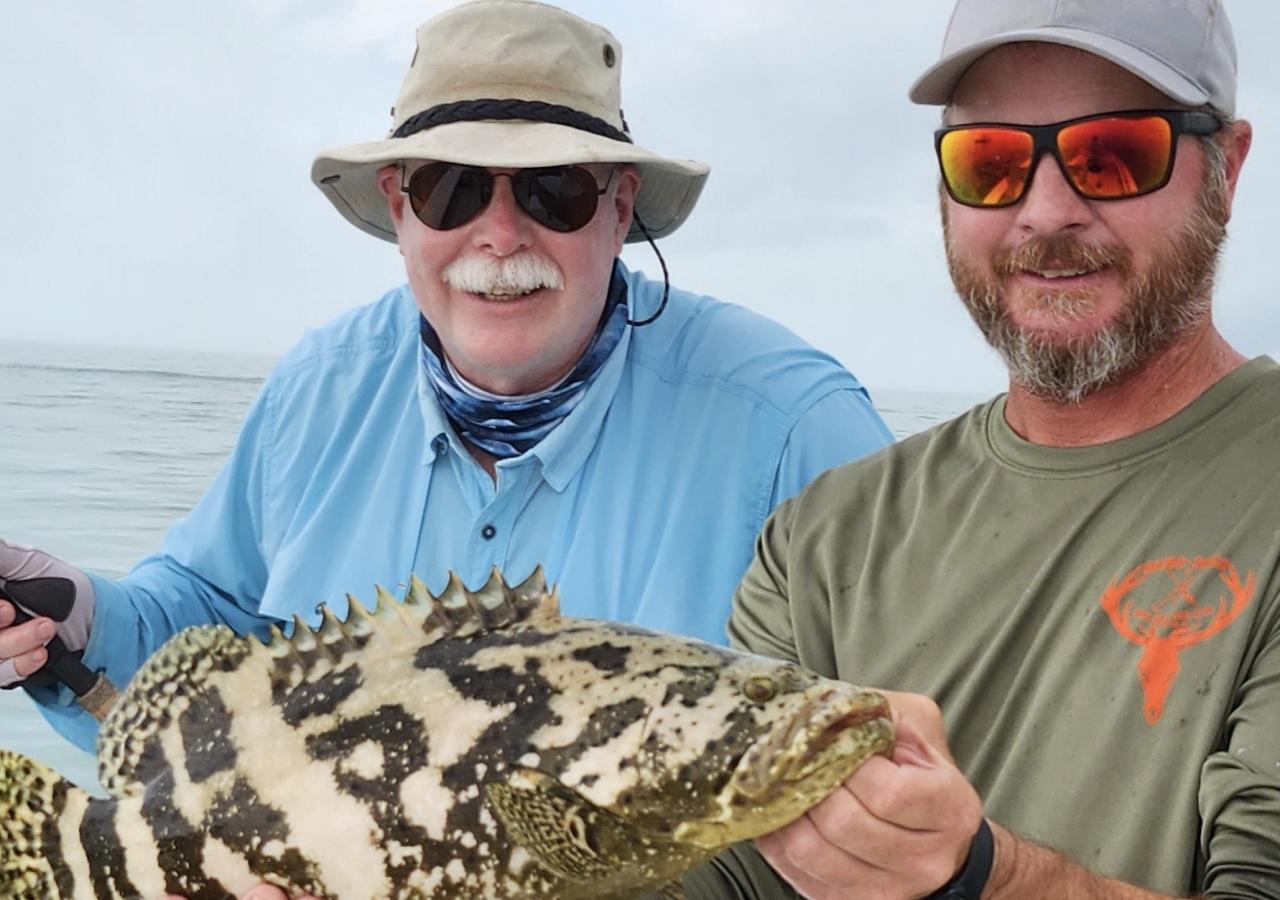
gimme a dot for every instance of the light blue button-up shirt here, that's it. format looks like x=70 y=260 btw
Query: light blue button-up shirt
x=643 y=504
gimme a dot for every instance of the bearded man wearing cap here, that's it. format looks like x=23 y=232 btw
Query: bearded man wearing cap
x=1075 y=586
x=523 y=400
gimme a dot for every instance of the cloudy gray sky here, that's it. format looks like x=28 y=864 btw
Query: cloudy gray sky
x=157 y=157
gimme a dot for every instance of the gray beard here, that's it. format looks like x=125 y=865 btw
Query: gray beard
x=1169 y=299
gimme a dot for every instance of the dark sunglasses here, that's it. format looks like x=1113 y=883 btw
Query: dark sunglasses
x=1109 y=156
x=448 y=195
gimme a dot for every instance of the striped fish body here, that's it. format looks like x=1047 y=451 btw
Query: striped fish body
x=471 y=746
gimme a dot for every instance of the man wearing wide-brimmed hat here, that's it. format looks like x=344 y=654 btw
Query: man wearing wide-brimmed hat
x=524 y=399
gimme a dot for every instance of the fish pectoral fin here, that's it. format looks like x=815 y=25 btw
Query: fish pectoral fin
x=575 y=839
x=555 y=824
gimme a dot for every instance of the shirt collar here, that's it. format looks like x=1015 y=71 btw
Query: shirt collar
x=563 y=451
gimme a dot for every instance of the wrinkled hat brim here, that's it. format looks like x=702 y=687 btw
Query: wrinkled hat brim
x=348 y=175
x=935 y=86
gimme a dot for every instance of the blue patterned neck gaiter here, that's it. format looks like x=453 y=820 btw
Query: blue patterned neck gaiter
x=505 y=427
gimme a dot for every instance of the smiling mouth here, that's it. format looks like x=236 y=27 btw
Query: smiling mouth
x=1063 y=273
x=505 y=296
x=1057 y=274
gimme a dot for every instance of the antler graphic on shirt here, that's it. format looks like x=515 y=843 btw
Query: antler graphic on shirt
x=1176 y=621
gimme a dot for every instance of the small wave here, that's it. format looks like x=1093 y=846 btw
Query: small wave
x=90 y=369
x=163 y=363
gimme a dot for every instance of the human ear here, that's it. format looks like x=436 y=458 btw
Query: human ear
x=389 y=183
x=624 y=204
x=1236 y=142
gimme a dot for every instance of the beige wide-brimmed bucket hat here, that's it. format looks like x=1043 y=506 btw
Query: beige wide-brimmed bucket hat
x=509 y=84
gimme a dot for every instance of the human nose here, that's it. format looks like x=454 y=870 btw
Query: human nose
x=1049 y=204
x=502 y=228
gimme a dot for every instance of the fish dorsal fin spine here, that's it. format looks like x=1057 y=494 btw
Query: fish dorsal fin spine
x=456 y=612
x=331 y=632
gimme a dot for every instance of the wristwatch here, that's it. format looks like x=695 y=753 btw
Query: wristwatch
x=970 y=880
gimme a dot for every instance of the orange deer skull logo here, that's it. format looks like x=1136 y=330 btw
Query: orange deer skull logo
x=1175 y=621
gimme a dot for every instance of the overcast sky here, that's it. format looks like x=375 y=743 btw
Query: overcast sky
x=157 y=158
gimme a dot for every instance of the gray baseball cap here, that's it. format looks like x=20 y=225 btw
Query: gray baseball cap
x=1184 y=48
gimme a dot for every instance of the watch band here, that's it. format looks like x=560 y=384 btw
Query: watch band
x=972 y=878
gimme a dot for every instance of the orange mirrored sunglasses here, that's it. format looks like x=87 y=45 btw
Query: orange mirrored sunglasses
x=1109 y=156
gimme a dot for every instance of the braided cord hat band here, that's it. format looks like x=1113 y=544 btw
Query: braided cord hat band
x=500 y=110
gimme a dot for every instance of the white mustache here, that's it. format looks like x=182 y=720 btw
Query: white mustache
x=520 y=273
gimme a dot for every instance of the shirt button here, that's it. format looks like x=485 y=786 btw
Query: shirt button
x=488 y=532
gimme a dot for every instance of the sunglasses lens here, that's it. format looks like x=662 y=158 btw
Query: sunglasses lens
x=1122 y=157
x=986 y=166
x=563 y=198
x=446 y=195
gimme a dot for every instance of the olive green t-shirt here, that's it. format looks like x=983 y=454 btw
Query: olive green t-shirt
x=1100 y=625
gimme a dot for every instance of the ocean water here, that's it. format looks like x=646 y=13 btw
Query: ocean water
x=101 y=449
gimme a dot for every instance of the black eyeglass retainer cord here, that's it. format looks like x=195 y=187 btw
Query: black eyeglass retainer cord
x=666 y=278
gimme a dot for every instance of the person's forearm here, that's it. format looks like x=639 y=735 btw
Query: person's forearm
x=1027 y=871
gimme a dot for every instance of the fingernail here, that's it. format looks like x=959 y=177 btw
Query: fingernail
x=39 y=656
x=45 y=630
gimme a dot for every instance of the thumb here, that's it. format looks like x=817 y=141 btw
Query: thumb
x=912 y=747
x=918 y=719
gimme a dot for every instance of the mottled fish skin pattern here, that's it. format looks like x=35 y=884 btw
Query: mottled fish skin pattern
x=471 y=746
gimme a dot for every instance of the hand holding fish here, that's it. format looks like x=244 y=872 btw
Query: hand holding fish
x=898 y=827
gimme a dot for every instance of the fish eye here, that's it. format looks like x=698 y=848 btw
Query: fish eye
x=760 y=689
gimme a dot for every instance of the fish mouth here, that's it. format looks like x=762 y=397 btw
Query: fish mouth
x=797 y=764
x=832 y=728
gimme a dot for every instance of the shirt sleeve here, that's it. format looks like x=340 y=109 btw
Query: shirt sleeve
x=839 y=427
x=1240 y=785
x=212 y=569
x=760 y=620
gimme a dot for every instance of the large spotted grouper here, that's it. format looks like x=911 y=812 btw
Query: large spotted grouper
x=471 y=745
